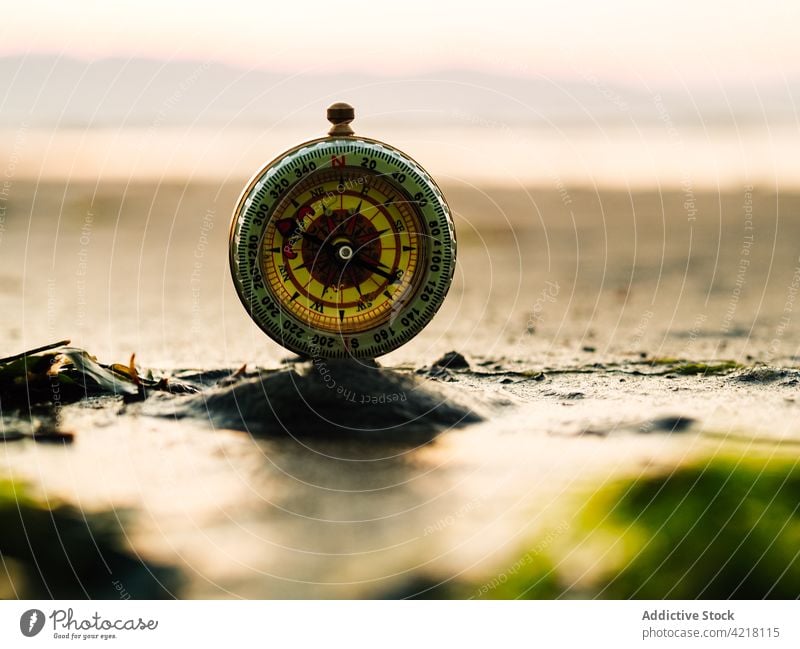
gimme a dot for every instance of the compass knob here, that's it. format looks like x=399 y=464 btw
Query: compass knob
x=340 y=115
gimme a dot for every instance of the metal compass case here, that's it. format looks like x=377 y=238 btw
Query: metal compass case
x=342 y=246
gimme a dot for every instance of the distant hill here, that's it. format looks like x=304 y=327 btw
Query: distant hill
x=48 y=90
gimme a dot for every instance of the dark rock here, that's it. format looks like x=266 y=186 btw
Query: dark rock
x=594 y=432
x=440 y=373
x=453 y=361
x=331 y=398
x=669 y=424
x=762 y=374
x=53 y=437
x=565 y=395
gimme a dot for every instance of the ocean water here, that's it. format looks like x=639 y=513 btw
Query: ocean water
x=465 y=148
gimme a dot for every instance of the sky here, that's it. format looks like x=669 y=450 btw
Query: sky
x=731 y=64
x=676 y=42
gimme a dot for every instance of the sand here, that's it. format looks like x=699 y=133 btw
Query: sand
x=594 y=324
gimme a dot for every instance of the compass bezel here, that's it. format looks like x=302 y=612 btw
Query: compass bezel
x=256 y=207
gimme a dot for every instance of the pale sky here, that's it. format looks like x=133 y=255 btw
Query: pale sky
x=623 y=40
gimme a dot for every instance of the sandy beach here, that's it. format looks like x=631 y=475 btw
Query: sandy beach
x=605 y=334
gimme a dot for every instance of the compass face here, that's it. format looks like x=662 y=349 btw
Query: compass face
x=342 y=247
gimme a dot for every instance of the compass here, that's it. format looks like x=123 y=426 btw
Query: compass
x=342 y=246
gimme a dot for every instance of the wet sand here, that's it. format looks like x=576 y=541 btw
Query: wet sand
x=594 y=325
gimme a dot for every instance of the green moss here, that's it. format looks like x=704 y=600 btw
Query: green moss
x=666 y=360
x=727 y=528
x=532 y=576
x=691 y=368
x=719 y=367
x=53 y=550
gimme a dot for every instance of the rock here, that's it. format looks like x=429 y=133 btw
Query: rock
x=53 y=437
x=593 y=432
x=331 y=398
x=565 y=395
x=669 y=424
x=452 y=361
x=762 y=374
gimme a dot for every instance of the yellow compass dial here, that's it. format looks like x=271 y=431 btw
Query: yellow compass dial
x=342 y=250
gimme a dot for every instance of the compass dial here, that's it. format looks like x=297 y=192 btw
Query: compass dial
x=342 y=246
x=343 y=250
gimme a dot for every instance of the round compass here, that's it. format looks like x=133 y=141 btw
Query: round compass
x=342 y=246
